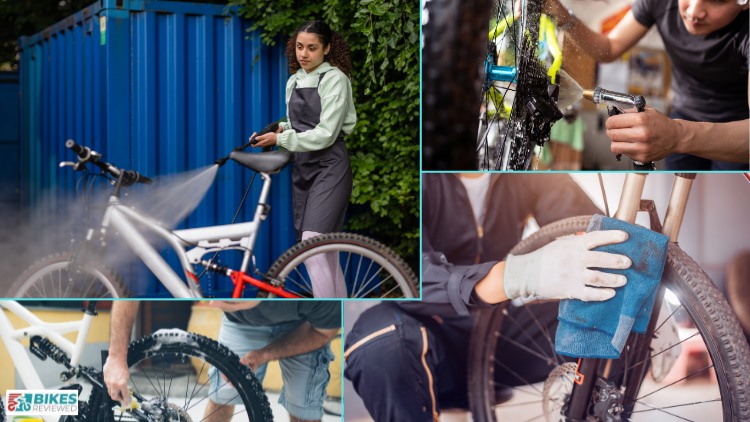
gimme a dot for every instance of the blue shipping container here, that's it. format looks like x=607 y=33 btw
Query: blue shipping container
x=161 y=87
x=9 y=142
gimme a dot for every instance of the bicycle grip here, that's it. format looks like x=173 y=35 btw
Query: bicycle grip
x=271 y=127
x=132 y=177
x=79 y=150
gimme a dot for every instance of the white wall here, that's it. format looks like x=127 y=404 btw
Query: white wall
x=716 y=226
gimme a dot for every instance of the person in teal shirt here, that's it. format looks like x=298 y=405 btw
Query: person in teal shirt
x=321 y=112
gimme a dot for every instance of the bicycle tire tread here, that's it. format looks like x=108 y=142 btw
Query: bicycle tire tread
x=201 y=346
x=347 y=238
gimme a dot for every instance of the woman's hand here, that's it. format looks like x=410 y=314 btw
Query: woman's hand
x=266 y=140
x=647 y=136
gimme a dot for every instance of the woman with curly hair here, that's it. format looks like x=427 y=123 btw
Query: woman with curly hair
x=321 y=111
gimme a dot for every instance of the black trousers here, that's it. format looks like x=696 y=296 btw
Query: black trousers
x=399 y=362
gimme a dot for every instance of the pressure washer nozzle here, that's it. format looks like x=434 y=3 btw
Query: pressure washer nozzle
x=620 y=100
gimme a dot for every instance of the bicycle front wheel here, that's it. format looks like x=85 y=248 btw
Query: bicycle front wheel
x=54 y=277
x=370 y=269
x=707 y=380
x=170 y=371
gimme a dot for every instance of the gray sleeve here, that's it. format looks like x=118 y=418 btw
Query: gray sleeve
x=643 y=12
x=450 y=285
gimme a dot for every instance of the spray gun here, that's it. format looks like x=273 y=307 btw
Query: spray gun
x=616 y=102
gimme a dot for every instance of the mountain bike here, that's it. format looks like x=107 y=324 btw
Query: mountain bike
x=370 y=268
x=168 y=370
x=689 y=313
x=487 y=52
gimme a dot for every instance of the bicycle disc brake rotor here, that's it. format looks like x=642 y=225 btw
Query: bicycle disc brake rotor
x=176 y=413
x=159 y=410
x=556 y=391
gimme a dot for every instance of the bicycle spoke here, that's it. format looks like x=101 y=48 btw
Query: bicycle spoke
x=541 y=356
x=375 y=287
x=552 y=356
x=518 y=377
x=187 y=383
x=661 y=409
x=370 y=280
x=675 y=382
x=197 y=377
x=148 y=378
x=366 y=281
x=662 y=351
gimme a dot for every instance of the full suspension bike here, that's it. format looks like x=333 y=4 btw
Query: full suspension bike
x=169 y=371
x=370 y=268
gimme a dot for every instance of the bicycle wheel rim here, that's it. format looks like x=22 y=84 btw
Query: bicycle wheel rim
x=370 y=269
x=175 y=375
x=698 y=399
x=50 y=278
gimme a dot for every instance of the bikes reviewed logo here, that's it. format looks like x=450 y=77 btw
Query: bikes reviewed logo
x=41 y=402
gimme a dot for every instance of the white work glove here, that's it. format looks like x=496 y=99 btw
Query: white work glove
x=560 y=270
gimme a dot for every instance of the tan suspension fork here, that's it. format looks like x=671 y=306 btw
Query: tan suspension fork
x=681 y=186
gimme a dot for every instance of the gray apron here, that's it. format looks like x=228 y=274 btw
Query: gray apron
x=322 y=180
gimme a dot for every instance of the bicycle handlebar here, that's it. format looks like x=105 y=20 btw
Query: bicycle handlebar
x=86 y=155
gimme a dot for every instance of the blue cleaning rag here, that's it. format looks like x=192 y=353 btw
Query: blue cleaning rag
x=600 y=329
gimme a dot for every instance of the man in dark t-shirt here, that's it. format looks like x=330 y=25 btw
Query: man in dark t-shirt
x=707 y=43
x=296 y=333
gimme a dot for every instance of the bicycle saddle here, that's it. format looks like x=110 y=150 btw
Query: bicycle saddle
x=265 y=162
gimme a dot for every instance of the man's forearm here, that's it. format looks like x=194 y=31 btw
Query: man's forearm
x=123 y=318
x=715 y=141
x=302 y=339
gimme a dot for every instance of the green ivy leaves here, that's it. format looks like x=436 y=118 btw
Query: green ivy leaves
x=383 y=37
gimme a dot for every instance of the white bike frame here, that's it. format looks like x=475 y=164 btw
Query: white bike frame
x=204 y=240
x=12 y=338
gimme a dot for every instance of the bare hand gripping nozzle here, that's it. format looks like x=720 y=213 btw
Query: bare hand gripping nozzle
x=617 y=102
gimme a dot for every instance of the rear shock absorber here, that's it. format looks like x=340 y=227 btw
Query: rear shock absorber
x=43 y=348
x=217 y=268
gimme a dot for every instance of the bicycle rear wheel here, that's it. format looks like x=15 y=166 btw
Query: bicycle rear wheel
x=52 y=278
x=715 y=355
x=170 y=369
x=515 y=116
x=371 y=269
